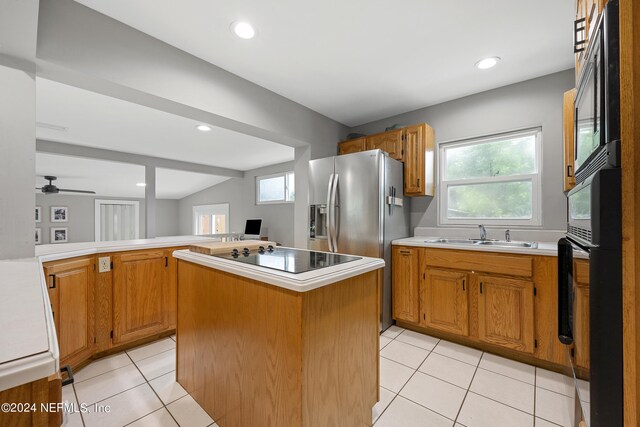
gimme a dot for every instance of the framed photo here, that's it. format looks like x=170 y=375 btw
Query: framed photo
x=59 y=214
x=59 y=234
x=38 y=213
x=38 y=236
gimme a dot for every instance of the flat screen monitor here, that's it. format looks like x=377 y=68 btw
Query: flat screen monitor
x=253 y=227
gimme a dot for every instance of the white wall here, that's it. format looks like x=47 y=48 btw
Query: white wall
x=240 y=194
x=81 y=222
x=536 y=102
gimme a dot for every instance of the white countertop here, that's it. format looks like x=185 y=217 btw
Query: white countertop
x=28 y=344
x=301 y=282
x=69 y=250
x=543 y=249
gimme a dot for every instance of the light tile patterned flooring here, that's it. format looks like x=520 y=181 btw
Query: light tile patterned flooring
x=424 y=382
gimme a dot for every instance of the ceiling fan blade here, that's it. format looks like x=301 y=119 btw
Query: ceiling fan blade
x=39 y=188
x=76 y=191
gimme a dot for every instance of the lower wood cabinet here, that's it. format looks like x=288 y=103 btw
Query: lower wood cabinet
x=581 y=312
x=445 y=302
x=406 y=273
x=139 y=294
x=499 y=302
x=505 y=312
x=71 y=286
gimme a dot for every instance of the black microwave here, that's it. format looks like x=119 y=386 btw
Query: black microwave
x=597 y=104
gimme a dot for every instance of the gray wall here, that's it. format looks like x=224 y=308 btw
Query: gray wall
x=81 y=222
x=536 y=102
x=167 y=217
x=240 y=194
x=18 y=28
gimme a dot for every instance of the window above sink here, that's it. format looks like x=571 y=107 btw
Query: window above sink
x=494 y=180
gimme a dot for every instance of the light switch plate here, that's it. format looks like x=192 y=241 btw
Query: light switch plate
x=104 y=264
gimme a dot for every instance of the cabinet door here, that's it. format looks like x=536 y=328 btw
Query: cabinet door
x=505 y=312
x=419 y=161
x=139 y=287
x=71 y=289
x=351 y=146
x=568 y=115
x=445 y=301
x=405 y=284
x=581 y=313
x=390 y=142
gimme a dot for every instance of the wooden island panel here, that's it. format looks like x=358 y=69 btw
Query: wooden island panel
x=256 y=354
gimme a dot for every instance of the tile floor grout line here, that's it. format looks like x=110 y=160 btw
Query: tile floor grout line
x=455 y=421
x=502 y=403
x=535 y=393
x=508 y=376
x=105 y=373
x=149 y=357
x=154 y=392
x=419 y=404
x=73 y=387
x=406 y=366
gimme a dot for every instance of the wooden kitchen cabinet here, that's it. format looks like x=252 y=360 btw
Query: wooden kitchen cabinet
x=568 y=136
x=71 y=286
x=405 y=289
x=419 y=175
x=140 y=287
x=505 y=312
x=581 y=312
x=445 y=302
x=389 y=142
x=352 y=146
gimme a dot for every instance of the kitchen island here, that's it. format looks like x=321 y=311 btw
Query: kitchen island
x=259 y=346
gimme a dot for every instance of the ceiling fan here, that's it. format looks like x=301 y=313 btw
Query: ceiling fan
x=52 y=189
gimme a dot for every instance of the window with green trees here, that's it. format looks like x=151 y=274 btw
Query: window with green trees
x=492 y=180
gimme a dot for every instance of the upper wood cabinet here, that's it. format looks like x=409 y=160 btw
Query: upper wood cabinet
x=581 y=312
x=568 y=136
x=419 y=174
x=71 y=286
x=139 y=294
x=587 y=14
x=352 y=146
x=413 y=145
x=445 y=302
x=405 y=289
x=389 y=142
x=505 y=312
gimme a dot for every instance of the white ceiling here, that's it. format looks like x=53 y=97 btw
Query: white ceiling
x=360 y=60
x=97 y=120
x=111 y=179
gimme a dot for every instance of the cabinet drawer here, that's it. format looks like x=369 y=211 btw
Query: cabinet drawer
x=480 y=262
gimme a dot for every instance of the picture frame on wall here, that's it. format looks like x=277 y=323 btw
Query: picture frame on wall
x=59 y=214
x=38 y=213
x=59 y=235
x=38 y=235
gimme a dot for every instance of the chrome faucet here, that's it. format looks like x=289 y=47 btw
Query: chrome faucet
x=483 y=232
x=507 y=236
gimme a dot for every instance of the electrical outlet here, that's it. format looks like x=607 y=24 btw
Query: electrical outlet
x=104 y=264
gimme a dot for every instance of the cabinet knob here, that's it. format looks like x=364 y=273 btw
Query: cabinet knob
x=53 y=281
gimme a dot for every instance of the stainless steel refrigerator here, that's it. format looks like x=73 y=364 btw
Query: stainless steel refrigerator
x=356 y=207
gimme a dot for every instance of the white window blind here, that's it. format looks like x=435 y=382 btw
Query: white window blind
x=117 y=220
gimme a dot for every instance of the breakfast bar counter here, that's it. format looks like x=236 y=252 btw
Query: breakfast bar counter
x=260 y=346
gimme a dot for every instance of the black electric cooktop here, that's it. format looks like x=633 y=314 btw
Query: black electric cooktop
x=287 y=259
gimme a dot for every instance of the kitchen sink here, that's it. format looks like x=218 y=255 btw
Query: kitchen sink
x=506 y=244
x=487 y=242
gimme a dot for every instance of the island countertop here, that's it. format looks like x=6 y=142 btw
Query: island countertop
x=301 y=282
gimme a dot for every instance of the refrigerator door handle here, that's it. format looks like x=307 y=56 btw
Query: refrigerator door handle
x=329 y=214
x=333 y=216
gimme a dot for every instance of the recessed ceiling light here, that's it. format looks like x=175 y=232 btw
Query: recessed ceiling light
x=203 y=128
x=141 y=184
x=486 y=63
x=244 y=30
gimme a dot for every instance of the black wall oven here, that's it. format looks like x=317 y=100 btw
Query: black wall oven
x=594 y=221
